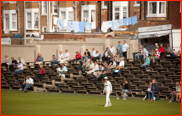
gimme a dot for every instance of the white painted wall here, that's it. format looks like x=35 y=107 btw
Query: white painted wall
x=176 y=38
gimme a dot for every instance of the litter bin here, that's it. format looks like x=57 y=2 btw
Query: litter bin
x=134 y=55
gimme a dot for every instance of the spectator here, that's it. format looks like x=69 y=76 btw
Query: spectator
x=125 y=49
x=83 y=59
x=93 y=52
x=100 y=71
x=54 y=60
x=63 y=71
x=61 y=57
x=106 y=70
x=119 y=46
x=139 y=52
x=113 y=50
x=174 y=93
x=39 y=59
x=146 y=63
x=6 y=62
x=96 y=57
x=91 y=65
x=77 y=57
x=126 y=89
x=161 y=50
x=144 y=52
x=19 y=68
x=152 y=53
x=87 y=53
x=149 y=89
x=66 y=57
x=154 y=89
x=28 y=83
x=169 y=50
x=119 y=53
x=13 y=63
x=95 y=68
x=106 y=55
x=41 y=72
x=86 y=64
x=22 y=61
x=121 y=64
x=156 y=56
x=112 y=64
x=156 y=46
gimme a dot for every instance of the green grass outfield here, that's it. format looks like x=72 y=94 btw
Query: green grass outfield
x=31 y=103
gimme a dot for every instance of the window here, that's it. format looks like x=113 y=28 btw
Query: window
x=55 y=7
x=156 y=9
x=29 y=20
x=44 y=29
x=93 y=18
x=14 y=21
x=63 y=15
x=36 y=20
x=70 y=16
x=125 y=13
x=55 y=29
x=44 y=7
x=7 y=21
x=85 y=15
x=104 y=4
x=116 y=13
x=137 y=2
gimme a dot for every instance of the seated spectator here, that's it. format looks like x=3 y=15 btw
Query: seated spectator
x=63 y=71
x=174 y=93
x=152 y=53
x=156 y=46
x=169 y=50
x=119 y=46
x=6 y=62
x=54 y=61
x=137 y=56
x=113 y=50
x=28 y=83
x=146 y=63
x=99 y=72
x=154 y=89
x=119 y=53
x=66 y=57
x=107 y=54
x=83 y=59
x=87 y=53
x=106 y=71
x=91 y=65
x=144 y=52
x=121 y=64
x=39 y=59
x=156 y=56
x=61 y=57
x=19 y=68
x=149 y=89
x=112 y=64
x=22 y=61
x=161 y=50
x=96 y=57
x=126 y=89
x=77 y=57
x=41 y=72
x=95 y=68
x=86 y=64
x=13 y=63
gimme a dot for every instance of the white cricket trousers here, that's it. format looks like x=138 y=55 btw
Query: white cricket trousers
x=108 y=102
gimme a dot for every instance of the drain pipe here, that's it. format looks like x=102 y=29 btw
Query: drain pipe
x=18 y=12
x=39 y=17
x=75 y=10
x=24 y=25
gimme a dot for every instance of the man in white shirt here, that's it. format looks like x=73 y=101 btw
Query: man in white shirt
x=61 y=57
x=125 y=48
x=96 y=56
x=19 y=68
x=113 y=50
x=121 y=64
x=28 y=83
x=66 y=57
x=108 y=91
x=93 y=52
x=22 y=61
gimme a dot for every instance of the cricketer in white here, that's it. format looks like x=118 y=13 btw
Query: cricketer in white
x=108 y=90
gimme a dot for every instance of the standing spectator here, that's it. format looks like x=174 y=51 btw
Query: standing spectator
x=174 y=93
x=6 y=62
x=39 y=59
x=95 y=68
x=121 y=64
x=54 y=60
x=161 y=50
x=41 y=72
x=156 y=46
x=125 y=48
x=146 y=63
x=19 y=68
x=126 y=89
x=28 y=83
x=169 y=50
x=96 y=57
x=113 y=50
x=61 y=57
x=63 y=71
x=87 y=53
x=93 y=52
x=119 y=54
x=66 y=57
x=22 y=61
x=154 y=89
x=119 y=46
x=106 y=55
x=139 y=52
x=13 y=63
x=86 y=64
x=77 y=57
x=156 y=56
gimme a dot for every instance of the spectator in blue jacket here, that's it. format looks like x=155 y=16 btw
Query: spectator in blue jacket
x=154 y=89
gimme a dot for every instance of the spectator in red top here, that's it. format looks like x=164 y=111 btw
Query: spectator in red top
x=77 y=57
x=41 y=72
x=161 y=50
x=156 y=56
